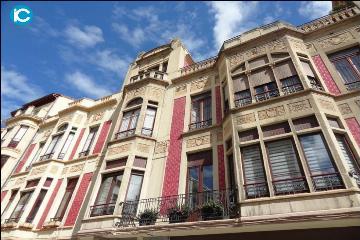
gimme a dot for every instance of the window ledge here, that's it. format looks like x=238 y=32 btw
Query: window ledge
x=200 y=130
x=130 y=138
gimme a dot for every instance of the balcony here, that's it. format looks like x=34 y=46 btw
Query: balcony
x=353 y=85
x=126 y=133
x=315 y=84
x=292 y=88
x=12 y=220
x=147 y=132
x=290 y=186
x=150 y=74
x=242 y=102
x=325 y=182
x=256 y=190
x=102 y=209
x=201 y=124
x=84 y=153
x=267 y=95
x=201 y=206
x=46 y=156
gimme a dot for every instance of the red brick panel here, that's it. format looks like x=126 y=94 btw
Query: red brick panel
x=218 y=105
x=25 y=158
x=79 y=198
x=221 y=167
x=354 y=127
x=172 y=168
x=325 y=74
x=102 y=137
x=49 y=204
x=3 y=194
x=77 y=144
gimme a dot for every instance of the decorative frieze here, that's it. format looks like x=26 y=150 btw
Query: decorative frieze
x=298 y=45
x=119 y=149
x=335 y=40
x=20 y=181
x=155 y=93
x=299 y=106
x=161 y=147
x=243 y=119
x=198 y=141
x=144 y=148
x=345 y=108
x=202 y=83
x=180 y=90
x=271 y=112
x=76 y=168
x=66 y=118
x=139 y=92
x=37 y=171
x=326 y=105
x=97 y=117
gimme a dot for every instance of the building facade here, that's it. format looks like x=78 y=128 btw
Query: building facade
x=261 y=140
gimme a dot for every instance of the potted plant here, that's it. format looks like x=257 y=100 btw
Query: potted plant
x=148 y=217
x=211 y=210
x=178 y=214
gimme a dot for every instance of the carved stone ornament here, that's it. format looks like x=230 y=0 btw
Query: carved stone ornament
x=198 y=141
x=271 y=112
x=200 y=84
x=119 y=149
x=345 y=108
x=161 y=147
x=335 y=40
x=248 y=118
x=326 y=105
x=299 y=106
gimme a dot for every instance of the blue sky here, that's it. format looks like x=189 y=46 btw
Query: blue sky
x=82 y=49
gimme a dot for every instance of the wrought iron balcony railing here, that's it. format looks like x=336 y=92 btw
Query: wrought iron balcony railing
x=315 y=84
x=147 y=131
x=46 y=156
x=325 y=182
x=242 y=102
x=192 y=207
x=150 y=74
x=267 y=95
x=12 y=220
x=353 y=85
x=61 y=156
x=84 y=153
x=292 y=88
x=201 y=124
x=290 y=186
x=256 y=190
x=126 y=133
x=102 y=209
x=56 y=219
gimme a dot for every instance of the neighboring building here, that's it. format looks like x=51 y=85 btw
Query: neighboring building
x=262 y=138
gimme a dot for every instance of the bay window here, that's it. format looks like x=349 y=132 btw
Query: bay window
x=201 y=111
x=266 y=91
x=71 y=185
x=150 y=115
x=18 y=136
x=309 y=73
x=89 y=141
x=67 y=143
x=5 y=134
x=37 y=154
x=286 y=73
x=241 y=89
x=54 y=144
x=128 y=123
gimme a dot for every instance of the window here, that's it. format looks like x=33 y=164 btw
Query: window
x=310 y=75
x=305 y=123
x=266 y=91
x=116 y=163
x=4 y=159
x=70 y=188
x=201 y=111
x=231 y=172
x=242 y=98
x=140 y=162
x=165 y=66
x=349 y=157
x=226 y=99
x=323 y=172
x=108 y=194
x=333 y=122
x=18 y=136
x=286 y=73
x=32 y=183
x=62 y=127
x=67 y=144
x=89 y=141
x=48 y=182
x=257 y=62
x=276 y=129
x=248 y=135
x=347 y=63
x=150 y=114
x=133 y=193
x=291 y=84
x=255 y=183
x=37 y=154
x=36 y=206
x=11 y=199
x=200 y=175
x=20 y=207
x=287 y=175
x=128 y=123
x=5 y=134
x=54 y=144
x=134 y=102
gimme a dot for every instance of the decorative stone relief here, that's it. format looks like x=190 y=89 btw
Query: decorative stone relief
x=335 y=40
x=119 y=149
x=54 y=169
x=64 y=170
x=326 y=105
x=180 y=90
x=299 y=45
x=20 y=181
x=155 y=93
x=38 y=170
x=345 y=108
x=271 y=112
x=299 y=106
x=97 y=116
x=161 y=147
x=198 y=141
x=139 y=92
x=67 y=118
x=248 y=118
x=202 y=83
x=76 y=168
x=144 y=148
x=78 y=118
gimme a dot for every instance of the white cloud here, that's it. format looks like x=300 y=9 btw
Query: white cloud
x=108 y=60
x=16 y=86
x=135 y=37
x=88 y=37
x=231 y=19
x=41 y=27
x=314 y=9
x=86 y=84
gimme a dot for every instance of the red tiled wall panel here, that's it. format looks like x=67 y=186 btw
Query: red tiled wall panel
x=3 y=194
x=221 y=167
x=218 y=105
x=79 y=198
x=25 y=158
x=102 y=137
x=354 y=127
x=325 y=74
x=77 y=144
x=172 y=168
x=49 y=204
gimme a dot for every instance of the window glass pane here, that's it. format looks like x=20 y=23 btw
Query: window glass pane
x=347 y=154
x=305 y=123
x=90 y=139
x=149 y=119
x=193 y=181
x=67 y=144
x=125 y=121
x=71 y=185
x=21 y=205
x=333 y=122
x=345 y=70
x=104 y=190
x=207 y=178
x=134 y=119
x=4 y=159
x=20 y=133
x=356 y=61
x=134 y=187
x=36 y=206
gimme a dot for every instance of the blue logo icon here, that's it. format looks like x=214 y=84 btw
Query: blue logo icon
x=21 y=15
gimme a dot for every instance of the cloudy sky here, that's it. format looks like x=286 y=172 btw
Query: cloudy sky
x=82 y=49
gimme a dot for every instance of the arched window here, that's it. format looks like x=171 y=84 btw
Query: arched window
x=63 y=127
x=134 y=102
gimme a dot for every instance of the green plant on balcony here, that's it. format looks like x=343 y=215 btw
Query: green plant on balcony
x=148 y=217
x=178 y=213
x=212 y=210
